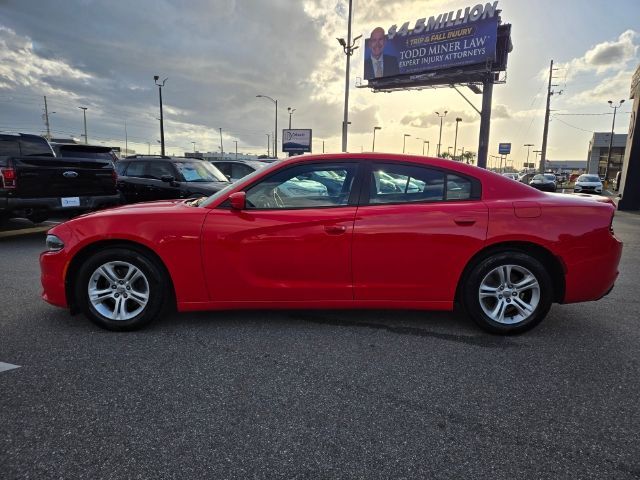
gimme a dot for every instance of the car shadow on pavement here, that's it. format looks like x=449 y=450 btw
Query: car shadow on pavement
x=449 y=326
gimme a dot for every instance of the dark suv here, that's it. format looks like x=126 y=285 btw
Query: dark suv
x=147 y=178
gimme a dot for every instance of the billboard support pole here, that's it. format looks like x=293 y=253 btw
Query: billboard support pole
x=485 y=121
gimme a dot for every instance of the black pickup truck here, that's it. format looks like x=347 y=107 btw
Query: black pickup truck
x=34 y=183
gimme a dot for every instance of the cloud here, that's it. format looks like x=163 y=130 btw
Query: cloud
x=612 y=88
x=602 y=57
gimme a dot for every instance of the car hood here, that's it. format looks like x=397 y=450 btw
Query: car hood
x=589 y=184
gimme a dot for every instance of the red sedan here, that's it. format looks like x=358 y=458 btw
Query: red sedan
x=340 y=231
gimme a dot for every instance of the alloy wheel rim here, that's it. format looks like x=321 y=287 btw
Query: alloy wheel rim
x=118 y=290
x=509 y=294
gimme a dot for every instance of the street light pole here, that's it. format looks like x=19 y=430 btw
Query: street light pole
x=236 y=142
x=290 y=110
x=275 y=132
x=348 y=47
x=455 y=142
x=160 y=85
x=613 y=124
x=268 y=142
x=194 y=147
x=440 y=137
x=221 y=147
x=528 y=145
x=84 y=114
x=404 y=141
x=373 y=147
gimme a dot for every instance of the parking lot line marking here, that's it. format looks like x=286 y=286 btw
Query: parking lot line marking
x=24 y=231
x=7 y=366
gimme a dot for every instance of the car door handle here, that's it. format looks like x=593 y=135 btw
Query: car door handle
x=464 y=221
x=335 y=229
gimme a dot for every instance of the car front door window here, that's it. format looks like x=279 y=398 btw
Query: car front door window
x=306 y=186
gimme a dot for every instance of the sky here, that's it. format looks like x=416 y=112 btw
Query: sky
x=219 y=54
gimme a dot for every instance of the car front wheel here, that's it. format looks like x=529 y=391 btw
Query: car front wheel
x=508 y=293
x=121 y=289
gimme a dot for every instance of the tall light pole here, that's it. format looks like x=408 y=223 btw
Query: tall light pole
x=236 y=142
x=160 y=85
x=268 y=141
x=348 y=47
x=221 y=147
x=373 y=147
x=194 y=147
x=440 y=137
x=275 y=132
x=536 y=152
x=528 y=145
x=613 y=124
x=455 y=141
x=84 y=114
x=404 y=141
x=290 y=110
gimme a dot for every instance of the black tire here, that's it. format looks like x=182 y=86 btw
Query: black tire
x=478 y=273
x=152 y=284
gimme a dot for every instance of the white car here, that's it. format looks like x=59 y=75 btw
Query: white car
x=588 y=184
x=512 y=176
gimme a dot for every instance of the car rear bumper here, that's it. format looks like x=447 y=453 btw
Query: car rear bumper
x=594 y=275
x=55 y=203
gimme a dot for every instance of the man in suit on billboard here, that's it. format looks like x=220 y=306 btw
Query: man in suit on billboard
x=378 y=64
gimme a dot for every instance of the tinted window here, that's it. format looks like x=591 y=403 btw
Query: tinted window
x=35 y=146
x=136 y=169
x=121 y=167
x=9 y=146
x=458 y=188
x=304 y=186
x=224 y=167
x=239 y=170
x=158 y=168
x=403 y=183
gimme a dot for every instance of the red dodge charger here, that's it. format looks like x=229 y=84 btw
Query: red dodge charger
x=340 y=231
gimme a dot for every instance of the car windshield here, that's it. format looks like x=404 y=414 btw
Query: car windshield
x=199 y=171
x=538 y=177
x=550 y=176
x=589 y=178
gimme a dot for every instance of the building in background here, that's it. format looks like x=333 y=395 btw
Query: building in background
x=566 y=166
x=599 y=150
x=225 y=156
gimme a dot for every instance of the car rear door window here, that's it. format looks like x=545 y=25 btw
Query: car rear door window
x=304 y=186
x=239 y=170
x=158 y=169
x=458 y=188
x=136 y=169
x=405 y=183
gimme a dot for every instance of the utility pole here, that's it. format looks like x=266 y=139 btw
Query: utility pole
x=46 y=118
x=348 y=47
x=236 y=142
x=543 y=155
x=126 y=139
x=221 y=150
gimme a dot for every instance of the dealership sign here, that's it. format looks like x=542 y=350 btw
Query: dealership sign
x=504 y=148
x=448 y=40
x=296 y=140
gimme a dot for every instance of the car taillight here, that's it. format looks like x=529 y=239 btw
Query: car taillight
x=8 y=177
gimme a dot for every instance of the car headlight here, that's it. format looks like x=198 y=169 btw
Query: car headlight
x=54 y=244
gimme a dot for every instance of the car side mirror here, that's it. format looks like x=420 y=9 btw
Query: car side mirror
x=167 y=178
x=238 y=200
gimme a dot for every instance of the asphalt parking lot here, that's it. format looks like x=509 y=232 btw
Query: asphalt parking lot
x=318 y=394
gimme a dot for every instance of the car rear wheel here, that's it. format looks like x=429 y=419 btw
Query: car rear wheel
x=508 y=292
x=121 y=289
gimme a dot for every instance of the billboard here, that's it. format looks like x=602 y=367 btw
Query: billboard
x=442 y=42
x=296 y=140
